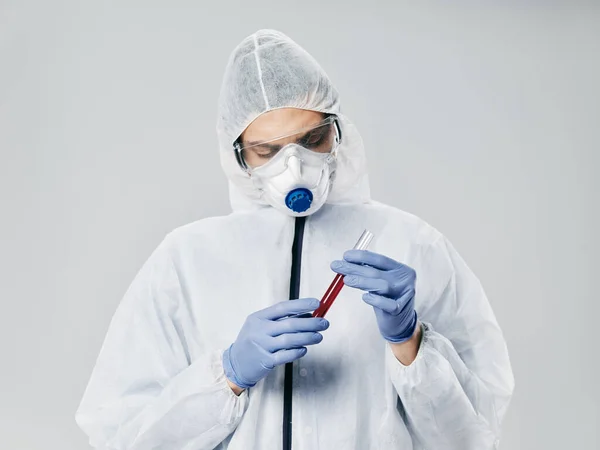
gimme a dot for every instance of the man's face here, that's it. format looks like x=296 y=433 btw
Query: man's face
x=297 y=125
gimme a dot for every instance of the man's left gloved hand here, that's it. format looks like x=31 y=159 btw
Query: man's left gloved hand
x=390 y=288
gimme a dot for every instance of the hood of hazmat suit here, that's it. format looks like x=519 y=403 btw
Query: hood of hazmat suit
x=159 y=380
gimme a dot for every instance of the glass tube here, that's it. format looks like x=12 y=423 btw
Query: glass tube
x=338 y=282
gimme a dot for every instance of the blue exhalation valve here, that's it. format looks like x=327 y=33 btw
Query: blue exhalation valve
x=299 y=200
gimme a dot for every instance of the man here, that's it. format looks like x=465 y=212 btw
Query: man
x=198 y=353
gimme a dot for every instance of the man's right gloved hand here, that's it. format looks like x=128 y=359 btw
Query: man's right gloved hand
x=269 y=338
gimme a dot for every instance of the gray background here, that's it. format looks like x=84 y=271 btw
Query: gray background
x=480 y=117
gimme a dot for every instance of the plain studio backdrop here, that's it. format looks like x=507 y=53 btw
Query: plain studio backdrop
x=480 y=117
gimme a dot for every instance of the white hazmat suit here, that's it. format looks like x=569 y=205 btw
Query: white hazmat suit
x=159 y=382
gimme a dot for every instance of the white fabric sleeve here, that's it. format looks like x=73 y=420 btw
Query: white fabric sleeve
x=457 y=390
x=145 y=392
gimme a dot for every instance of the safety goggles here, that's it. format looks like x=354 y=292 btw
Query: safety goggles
x=322 y=137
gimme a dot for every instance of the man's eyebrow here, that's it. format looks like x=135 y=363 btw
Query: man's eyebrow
x=275 y=146
x=267 y=145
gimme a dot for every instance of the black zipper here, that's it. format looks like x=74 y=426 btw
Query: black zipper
x=294 y=294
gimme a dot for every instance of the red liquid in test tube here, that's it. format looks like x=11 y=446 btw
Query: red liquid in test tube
x=338 y=282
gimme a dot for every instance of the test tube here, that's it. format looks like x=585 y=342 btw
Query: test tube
x=338 y=282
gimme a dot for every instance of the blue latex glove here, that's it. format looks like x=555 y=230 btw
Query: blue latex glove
x=390 y=288
x=269 y=338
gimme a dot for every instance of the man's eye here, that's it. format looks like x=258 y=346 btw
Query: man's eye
x=313 y=140
x=266 y=154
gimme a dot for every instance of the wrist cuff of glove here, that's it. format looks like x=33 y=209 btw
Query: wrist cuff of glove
x=230 y=372
x=406 y=334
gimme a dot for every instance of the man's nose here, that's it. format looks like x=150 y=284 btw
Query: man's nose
x=295 y=166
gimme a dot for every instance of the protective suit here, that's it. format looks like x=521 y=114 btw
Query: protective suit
x=159 y=381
